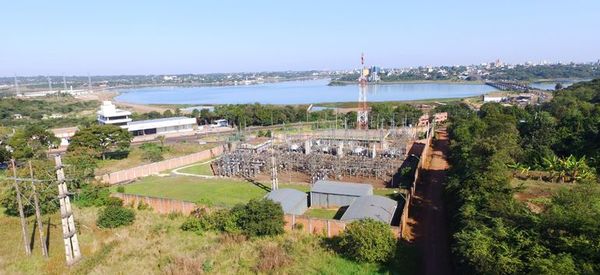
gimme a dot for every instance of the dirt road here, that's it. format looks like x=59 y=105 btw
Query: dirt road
x=428 y=221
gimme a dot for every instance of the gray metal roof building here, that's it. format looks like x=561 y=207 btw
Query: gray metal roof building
x=325 y=193
x=375 y=207
x=292 y=201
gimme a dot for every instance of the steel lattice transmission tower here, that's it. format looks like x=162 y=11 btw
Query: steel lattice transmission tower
x=362 y=118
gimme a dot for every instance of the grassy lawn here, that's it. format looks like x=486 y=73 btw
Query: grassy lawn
x=217 y=192
x=135 y=157
x=154 y=244
x=536 y=194
x=199 y=169
x=321 y=213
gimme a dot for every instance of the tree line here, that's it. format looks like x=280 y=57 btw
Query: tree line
x=492 y=232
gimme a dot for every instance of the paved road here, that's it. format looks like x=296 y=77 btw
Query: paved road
x=430 y=226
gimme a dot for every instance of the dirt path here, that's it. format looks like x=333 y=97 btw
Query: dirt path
x=427 y=216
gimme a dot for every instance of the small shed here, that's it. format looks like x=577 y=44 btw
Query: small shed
x=328 y=194
x=375 y=207
x=292 y=201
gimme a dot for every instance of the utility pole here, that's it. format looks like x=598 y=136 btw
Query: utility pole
x=38 y=216
x=89 y=83
x=72 y=251
x=65 y=83
x=17 y=85
x=49 y=84
x=21 y=213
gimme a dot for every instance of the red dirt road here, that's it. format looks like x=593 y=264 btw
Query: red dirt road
x=428 y=222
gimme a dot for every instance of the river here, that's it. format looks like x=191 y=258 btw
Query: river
x=298 y=92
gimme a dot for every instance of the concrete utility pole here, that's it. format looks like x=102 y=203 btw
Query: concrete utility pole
x=72 y=251
x=38 y=215
x=89 y=83
x=17 y=85
x=65 y=83
x=21 y=213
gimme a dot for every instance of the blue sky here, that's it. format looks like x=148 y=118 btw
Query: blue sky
x=146 y=37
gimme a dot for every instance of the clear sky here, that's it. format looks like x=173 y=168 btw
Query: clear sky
x=156 y=37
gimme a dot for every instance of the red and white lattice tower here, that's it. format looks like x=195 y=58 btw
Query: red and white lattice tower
x=362 y=119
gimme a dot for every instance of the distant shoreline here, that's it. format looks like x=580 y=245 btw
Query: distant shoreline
x=345 y=83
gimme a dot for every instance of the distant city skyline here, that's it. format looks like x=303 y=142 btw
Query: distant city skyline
x=180 y=37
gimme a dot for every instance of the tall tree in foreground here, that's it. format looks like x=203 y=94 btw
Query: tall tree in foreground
x=32 y=142
x=101 y=140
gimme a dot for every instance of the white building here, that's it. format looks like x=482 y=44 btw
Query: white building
x=109 y=114
x=145 y=129
x=64 y=134
x=492 y=98
x=161 y=126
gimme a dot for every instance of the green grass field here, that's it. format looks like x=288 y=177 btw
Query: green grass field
x=202 y=169
x=135 y=157
x=217 y=192
x=321 y=213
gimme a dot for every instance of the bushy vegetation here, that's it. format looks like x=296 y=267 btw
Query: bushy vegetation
x=256 y=218
x=368 y=241
x=31 y=142
x=113 y=216
x=101 y=140
x=152 y=152
x=35 y=109
x=46 y=190
x=260 y=114
x=494 y=233
x=92 y=195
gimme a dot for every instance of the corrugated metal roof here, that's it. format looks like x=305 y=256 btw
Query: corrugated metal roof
x=374 y=207
x=288 y=198
x=342 y=188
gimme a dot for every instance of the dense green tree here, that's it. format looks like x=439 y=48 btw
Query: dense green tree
x=46 y=190
x=101 y=140
x=368 y=241
x=260 y=218
x=31 y=142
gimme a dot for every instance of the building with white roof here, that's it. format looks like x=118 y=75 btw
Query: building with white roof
x=109 y=114
x=161 y=126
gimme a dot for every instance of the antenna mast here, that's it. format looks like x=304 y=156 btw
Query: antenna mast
x=363 y=110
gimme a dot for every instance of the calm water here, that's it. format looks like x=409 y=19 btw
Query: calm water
x=297 y=92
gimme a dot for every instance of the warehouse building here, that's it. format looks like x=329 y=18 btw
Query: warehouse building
x=330 y=194
x=292 y=201
x=374 y=207
x=161 y=126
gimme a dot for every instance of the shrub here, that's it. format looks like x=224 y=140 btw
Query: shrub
x=220 y=220
x=192 y=224
x=368 y=241
x=121 y=189
x=115 y=216
x=152 y=152
x=260 y=218
x=112 y=201
x=299 y=226
x=143 y=206
x=92 y=195
x=272 y=257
